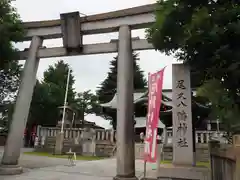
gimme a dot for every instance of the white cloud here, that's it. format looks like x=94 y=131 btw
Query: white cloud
x=90 y=70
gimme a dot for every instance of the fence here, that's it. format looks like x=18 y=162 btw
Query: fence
x=202 y=137
x=100 y=134
x=223 y=161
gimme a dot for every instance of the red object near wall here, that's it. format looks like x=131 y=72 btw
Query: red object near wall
x=155 y=83
x=34 y=131
x=25 y=132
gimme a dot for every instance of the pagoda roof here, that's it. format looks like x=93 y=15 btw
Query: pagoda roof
x=113 y=103
x=141 y=123
x=143 y=97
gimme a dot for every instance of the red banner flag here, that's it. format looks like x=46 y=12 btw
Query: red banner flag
x=155 y=83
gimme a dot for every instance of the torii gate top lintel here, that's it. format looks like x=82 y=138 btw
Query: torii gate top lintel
x=71 y=27
x=96 y=17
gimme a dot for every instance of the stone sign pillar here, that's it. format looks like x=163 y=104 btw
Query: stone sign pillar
x=125 y=111
x=182 y=116
x=9 y=164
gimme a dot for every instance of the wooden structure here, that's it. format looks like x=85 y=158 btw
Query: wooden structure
x=225 y=160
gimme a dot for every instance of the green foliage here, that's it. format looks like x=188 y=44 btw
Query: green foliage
x=223 y=106
x=7 y=110
x=11 y=30
x=86 y=103
x=56 y=78
x=49 y=95
x=108 y=87
x=9 y=84
x=9 y=81
x=205 y=34
x=202 y=33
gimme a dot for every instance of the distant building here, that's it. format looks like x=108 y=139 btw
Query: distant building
x=71 y=121
x=165 y=119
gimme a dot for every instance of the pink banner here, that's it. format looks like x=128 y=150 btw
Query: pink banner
x=155 y=83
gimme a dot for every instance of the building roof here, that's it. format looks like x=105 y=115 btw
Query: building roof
x=141 y=123
x=113 y=103
x=143 y=97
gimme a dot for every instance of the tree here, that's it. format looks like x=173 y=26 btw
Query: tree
x=9 y=84
x=223 y=106
x=6 y=116
x=11 y=30
x=203 y=34
x=108 y=87
x=86 y=103
x=56 y=78
x=9 y=81
x=49 y=95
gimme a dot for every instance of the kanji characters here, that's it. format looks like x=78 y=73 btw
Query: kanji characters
x=182 y=142
x=182 y=115
x=180 y=84
x=182 y=128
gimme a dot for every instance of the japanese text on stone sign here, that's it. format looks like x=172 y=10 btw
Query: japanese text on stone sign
x=182 y=116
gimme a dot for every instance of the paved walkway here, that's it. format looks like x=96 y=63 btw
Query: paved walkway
x=87 y=170
x=32 y=162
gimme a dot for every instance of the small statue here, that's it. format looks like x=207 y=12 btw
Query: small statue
x=142 y=137
x=88 y=133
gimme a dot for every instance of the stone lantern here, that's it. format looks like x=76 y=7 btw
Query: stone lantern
x=68 y=116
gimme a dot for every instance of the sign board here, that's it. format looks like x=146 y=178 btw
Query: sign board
x=155 y=82
x=182 y=116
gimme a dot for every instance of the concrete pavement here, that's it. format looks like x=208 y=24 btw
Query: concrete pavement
x=32 y=162
x=87 y=170
x=22 y=149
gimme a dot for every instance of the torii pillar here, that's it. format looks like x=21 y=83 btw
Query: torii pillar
x=125 y=110
x=12 y=150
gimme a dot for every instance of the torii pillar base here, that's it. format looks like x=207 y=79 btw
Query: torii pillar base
x=10 y=169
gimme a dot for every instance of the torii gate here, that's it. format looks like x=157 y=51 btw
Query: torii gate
x=71 y=28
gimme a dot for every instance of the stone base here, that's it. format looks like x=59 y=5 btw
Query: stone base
x=59 y=144
x=125 y=178
x=183 y=172
x=10 y=169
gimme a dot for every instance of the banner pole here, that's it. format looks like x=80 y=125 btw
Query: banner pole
x=159 y=151
x=145 y=162
x=144 y=169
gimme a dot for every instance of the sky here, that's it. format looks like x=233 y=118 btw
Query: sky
x=90 y=70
